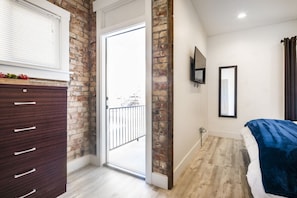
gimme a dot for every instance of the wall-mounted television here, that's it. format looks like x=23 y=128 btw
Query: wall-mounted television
x=198 y=64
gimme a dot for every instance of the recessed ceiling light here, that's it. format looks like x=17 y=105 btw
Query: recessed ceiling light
x=241 y=15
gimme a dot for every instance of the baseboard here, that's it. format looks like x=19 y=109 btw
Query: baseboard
x=188 y=158
x=94 y=160
x=81 y=162
x=236 y=136
x=160 y=180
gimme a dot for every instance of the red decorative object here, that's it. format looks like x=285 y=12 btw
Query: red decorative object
x=23 y=76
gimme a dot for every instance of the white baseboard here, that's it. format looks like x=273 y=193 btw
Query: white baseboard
x=78 y=163
x=160 y=180
x=94 y=160
x=188 y=158
x=236 y=136
x=81 y=162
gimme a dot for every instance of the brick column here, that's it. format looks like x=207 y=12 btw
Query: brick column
x=82 y=85
x=93 y=74
x=162 y=99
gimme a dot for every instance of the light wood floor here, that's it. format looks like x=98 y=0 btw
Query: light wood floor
x=217 y=171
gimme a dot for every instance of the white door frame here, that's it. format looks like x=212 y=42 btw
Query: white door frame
x=104 y=38
x=100 y=7
x=101 y=94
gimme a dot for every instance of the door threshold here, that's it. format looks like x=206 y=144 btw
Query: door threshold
x=126 y=171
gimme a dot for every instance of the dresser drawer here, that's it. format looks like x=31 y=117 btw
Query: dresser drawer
x=31 y=95
x=23 y=129
x=32 y=106
x=28 y=148
x=48 y=180
x=41 y=111
x=29 y=103
x=21 y=161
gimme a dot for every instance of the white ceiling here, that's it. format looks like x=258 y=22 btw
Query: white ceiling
x=220 y=16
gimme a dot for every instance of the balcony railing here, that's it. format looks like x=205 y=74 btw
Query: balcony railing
x=126 y=124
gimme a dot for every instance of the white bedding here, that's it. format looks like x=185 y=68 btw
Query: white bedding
x=254 y=176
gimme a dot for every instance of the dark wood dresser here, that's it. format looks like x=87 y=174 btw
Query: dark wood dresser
x=33 y=142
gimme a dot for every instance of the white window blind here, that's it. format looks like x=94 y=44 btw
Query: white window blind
x=30 y=36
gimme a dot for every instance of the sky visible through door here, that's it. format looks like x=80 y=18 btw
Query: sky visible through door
x=126 y=68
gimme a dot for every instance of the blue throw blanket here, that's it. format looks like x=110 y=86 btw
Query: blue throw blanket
x=277 y=141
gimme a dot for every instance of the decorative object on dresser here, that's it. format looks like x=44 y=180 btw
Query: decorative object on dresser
x=33 y=128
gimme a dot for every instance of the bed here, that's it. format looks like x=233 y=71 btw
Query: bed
x=272 y=148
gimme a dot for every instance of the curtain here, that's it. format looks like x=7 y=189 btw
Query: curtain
x=290 y=79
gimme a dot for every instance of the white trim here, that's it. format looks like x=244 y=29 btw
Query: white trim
x=31 y=66
x=51 y=8
x=113 y=6
x=148 y=26
x=100 y=102
x=160 y=180
x=81 y=162
x=125 y=26
x=106 y=6
x=188 y=158
x=100 y=87
x=39 y=73
x=109 y=5
x=236 y=136
x=78 y=163
x=94 y=160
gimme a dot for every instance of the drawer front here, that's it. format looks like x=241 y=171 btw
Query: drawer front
x=37 y=112
x=48 y=180
x=43 y=95
x=21 y=161
x=30 y=102
x=41 y=111
x=25 y=129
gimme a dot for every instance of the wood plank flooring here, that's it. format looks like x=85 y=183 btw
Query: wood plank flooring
x=217 y=171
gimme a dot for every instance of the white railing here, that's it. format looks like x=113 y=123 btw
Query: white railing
x=125 y=125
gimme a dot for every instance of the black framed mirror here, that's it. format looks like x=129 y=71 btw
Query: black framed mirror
x=228 y=91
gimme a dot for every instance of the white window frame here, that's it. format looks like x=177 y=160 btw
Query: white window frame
x=33 y=71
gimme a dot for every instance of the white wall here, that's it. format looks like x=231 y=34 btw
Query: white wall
x=259 y=56
x=190 y=103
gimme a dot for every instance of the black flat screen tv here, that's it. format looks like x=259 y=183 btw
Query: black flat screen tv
x=198 y=64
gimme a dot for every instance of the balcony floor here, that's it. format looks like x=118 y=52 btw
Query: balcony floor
x=130 y=156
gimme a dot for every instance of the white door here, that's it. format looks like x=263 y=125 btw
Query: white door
x=125 y=91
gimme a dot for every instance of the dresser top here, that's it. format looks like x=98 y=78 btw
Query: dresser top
x=35 y=82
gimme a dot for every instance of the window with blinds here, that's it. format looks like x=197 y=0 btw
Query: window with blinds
x=34 y=36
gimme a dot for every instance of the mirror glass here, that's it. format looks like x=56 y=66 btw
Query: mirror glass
x=228 y=91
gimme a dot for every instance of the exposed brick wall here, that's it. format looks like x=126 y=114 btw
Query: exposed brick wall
x=92 y=89
x=81 y=90
x=163 y=88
